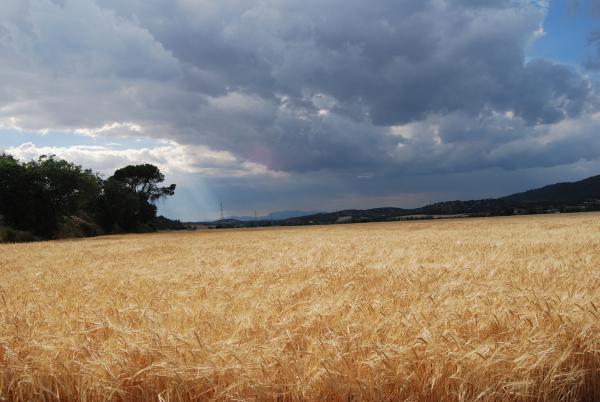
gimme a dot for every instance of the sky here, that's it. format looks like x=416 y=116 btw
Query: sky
x=273 y=105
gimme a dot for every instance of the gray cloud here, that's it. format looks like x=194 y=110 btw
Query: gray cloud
x=355 y=88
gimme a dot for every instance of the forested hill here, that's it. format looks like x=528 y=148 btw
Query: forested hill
x=579 y=196
x=579 y=191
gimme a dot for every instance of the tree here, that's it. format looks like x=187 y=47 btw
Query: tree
x=41 y=195
x=15 y=192
x=65 y=185
x=37 y=195
x=129 y=196
x=144 y=179
x=121 y=209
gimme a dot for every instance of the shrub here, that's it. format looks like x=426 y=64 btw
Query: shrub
x=9 y=235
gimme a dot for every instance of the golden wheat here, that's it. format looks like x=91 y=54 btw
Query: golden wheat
x=475 y=309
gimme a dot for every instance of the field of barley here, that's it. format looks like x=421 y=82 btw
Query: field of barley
x=455 y=310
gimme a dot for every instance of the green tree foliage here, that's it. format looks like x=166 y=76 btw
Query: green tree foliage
x=38 y=195
x=35 y=196
x=15 y=197
x=129 y=197
x=122 y=209
x=60 y=188
x=144 y=180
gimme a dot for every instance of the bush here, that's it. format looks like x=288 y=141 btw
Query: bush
x=9 y=235
x=163 y=223
x=78 y=226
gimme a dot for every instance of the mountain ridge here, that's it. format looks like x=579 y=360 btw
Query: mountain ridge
x=275 y=216
x=578 y=196
x=581 y=190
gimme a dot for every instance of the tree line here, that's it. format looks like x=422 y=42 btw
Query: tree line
x=49 y=198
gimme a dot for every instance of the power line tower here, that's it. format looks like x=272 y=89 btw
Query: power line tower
x=222 y=215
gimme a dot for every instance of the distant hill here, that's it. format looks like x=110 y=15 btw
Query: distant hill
x=289 y=214
x=226 y=222
x=579 y=196
x=355 y=215
x=275 y=216
x=578 y=191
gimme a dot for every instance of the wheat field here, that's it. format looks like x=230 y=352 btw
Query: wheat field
x=456 y=310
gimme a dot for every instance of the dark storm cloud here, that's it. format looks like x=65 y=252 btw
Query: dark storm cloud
x=349 y=86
